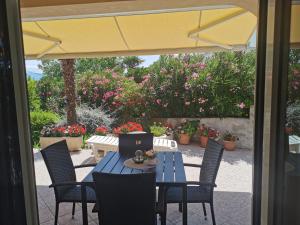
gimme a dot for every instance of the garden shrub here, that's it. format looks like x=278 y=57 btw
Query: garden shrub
x=51 y=93
x=218 y=85
x=293 y=117
x=113 y=92
x=158 y=129
x=91 y=118
x=294 y=77
x=186 y=85
x=39 y=119
x=33 y=96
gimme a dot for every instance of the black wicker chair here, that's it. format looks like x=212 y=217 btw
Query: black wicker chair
x=199 y=191
x=129 y=143
x=124 y=199
x=62 y=173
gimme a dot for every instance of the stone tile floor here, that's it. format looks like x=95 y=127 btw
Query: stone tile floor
x=232 y=198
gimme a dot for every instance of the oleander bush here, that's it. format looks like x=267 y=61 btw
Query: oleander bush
x=186 y=85
x=218 y=85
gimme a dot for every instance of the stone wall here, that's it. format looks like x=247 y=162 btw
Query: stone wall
x=242 y=127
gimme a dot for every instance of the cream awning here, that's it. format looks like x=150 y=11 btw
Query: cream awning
x=159 y=33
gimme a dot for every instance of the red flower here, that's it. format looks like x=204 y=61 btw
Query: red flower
x=102 y=130
x=59 y=131
x=128 y=127
x=76 y=130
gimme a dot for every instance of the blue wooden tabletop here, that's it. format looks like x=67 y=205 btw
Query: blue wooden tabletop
x=169 y=169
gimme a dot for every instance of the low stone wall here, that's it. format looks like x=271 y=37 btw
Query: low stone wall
x=242 y=127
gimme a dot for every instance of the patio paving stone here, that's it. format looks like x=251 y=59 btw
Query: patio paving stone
x=232 y=198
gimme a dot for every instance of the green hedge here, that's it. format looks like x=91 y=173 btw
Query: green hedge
x=39 y=119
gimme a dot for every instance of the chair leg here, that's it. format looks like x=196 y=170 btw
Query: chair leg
x=212 y=213
x=180 y=207
x=204 y=211
x=56 y=213
x=73 y=210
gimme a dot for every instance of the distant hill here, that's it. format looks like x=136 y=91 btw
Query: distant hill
x=34 y=75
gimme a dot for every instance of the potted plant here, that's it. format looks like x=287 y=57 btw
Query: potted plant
x=205 y=133
x=229 y=141
x=185 y=131
x=101 y=131
x=161 y=131
x=128 y=127
x=72 y=134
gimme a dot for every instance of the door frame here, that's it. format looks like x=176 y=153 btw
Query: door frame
x=23 y=115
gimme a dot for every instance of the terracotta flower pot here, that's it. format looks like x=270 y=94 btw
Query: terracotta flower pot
x=184 y=139
x=203 y=141
x=229 y=145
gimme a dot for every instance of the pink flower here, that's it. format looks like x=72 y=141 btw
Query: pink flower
x=187 y=86
x=165 y=105
x=241 y=105
x=108 y=94
x=146 y=77
x=296 y=72
x=158 y=101
x=295 y=85
x=202 y=66
x=143 y=114
x=195 y=75
x=202 y=100
x=114 y=75
x=208 y=78
x=201 y=109
x=187 y=103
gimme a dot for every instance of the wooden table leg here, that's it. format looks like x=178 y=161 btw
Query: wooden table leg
x=84 y=205
x=184 y=204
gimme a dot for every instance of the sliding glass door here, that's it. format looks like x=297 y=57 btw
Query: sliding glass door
x=281 y=152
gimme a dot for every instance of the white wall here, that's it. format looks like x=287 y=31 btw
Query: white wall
x=242 y=127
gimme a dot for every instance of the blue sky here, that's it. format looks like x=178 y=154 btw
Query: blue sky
x=32 y=65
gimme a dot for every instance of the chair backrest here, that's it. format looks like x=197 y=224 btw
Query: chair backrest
x=125 y=199
x=59 y=164
x=211 y=162
x=129 y=143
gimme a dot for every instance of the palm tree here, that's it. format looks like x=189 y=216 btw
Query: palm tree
x=68 y=70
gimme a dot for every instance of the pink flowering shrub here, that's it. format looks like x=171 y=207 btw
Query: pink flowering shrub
x=112 y=91
x=221 y=85
x=294 y=76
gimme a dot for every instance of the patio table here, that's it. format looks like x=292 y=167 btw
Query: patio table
x=169 y=172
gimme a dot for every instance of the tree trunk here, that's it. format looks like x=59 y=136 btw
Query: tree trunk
x=68 y=70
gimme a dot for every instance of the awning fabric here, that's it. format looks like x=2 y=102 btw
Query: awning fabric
x=172 y=32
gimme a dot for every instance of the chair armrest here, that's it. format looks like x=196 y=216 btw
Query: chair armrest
x=192 y=165
x=200 y=183
x=85 y=165
x=65 y=184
